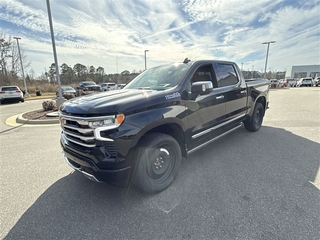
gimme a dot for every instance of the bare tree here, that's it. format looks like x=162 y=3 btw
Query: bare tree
x=5 y=54
x=9 y=57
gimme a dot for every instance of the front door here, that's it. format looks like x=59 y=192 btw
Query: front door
x=204 y=112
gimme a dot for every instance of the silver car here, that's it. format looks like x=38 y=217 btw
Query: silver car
x=307 y=81
x=317 y=81
x=108 y=86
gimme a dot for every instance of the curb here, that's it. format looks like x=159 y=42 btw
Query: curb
x=22 y=120
x=40 y=98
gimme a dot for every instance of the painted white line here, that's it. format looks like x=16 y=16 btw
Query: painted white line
x=316 y=181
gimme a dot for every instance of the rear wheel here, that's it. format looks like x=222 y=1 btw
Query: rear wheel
x=159 y=159
x=255 y=122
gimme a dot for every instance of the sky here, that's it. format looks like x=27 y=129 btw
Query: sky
x=114 y=34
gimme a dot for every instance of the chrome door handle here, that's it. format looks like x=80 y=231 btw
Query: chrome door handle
x=220 y=97
x=243 y=91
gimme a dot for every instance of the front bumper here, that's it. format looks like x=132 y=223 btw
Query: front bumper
x=119 y=177
x=115 y=173
x=9 y=98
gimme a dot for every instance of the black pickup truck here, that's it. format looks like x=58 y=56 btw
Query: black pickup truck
x=141 y=133
x=85 y=88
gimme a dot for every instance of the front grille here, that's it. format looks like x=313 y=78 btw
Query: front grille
x=78 y=131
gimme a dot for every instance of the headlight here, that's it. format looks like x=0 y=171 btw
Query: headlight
x=106 y=124
x=112 y=122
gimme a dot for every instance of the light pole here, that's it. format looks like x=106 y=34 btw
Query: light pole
x=252 y=71
x=24 y=80
x=60 y=99
x=145 y=59
x=265 y=67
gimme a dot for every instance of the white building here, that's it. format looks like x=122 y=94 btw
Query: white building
x=303 y=71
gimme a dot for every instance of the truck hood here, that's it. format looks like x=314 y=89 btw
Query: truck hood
x=116 y=101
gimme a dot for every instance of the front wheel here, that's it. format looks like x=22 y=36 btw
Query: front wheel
x=255 y=122
x=159 y=159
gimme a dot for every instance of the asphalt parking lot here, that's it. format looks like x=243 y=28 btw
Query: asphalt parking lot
x=262 y=185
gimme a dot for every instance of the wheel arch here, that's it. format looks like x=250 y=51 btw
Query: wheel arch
x=263 y=101
x=172 y=129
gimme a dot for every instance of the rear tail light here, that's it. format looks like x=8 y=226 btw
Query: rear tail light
x=2 y=92
x=18 y=91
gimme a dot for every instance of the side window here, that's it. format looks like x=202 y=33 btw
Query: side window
x=226 y=75
x=203 y=73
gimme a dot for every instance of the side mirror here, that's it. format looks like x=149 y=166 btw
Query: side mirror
x=202 y=87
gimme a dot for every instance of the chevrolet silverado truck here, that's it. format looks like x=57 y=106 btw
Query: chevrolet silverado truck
x=140 y=134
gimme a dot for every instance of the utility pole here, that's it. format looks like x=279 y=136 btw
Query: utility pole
x=265 y=67
x=24 y=80
x=145 y=59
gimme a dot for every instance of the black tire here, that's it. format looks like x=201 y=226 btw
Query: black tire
x=159 y=160
x=255 y=122
x=22 y=100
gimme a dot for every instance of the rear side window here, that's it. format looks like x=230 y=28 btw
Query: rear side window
x=226 y=75
x=9 y=88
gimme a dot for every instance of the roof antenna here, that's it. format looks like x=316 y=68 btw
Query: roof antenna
x=186 y=60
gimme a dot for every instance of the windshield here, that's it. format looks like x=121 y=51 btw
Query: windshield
x=159 y=78
x=68 y=88
x=88 y=83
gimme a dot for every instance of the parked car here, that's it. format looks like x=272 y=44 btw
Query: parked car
x=120 y=86
x=108 y=86
x=66 y=90
x=88 y=87
x=292 y=82
x=11 y=93
x=316 y=81
x=274 y=83
x=307 y=81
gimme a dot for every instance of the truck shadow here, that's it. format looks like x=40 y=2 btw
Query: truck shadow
x=266 y=169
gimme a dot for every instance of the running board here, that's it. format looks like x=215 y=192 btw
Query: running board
x=214 y=139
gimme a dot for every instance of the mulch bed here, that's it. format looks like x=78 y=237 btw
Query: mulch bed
x=39 y=115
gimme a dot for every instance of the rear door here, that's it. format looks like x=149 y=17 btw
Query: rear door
x=230 y=81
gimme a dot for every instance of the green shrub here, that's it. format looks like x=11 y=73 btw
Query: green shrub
x=49 y=105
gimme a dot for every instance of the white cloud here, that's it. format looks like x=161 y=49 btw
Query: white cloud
x=96 y=33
